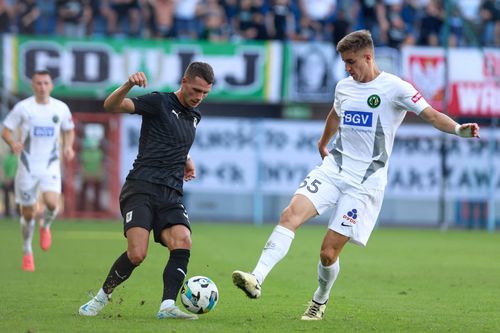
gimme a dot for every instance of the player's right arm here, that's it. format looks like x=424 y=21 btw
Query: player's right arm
x=331 y=126
x=117 y=102
x=8 y=137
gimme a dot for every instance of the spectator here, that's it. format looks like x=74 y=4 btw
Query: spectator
x=320 y=11
x=160 y=18
x=249 y=23
x=341 y=26
x=430 y=24
x=72 y=17
x=490 y=25
x=371 y=15
x=214 y=21
x=282 y=20
x=128 y=9
x=27 y=14
x=309 y=30
x=6 y=16
x=185 y=20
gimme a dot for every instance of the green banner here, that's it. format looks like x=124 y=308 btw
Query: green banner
x=95 y=67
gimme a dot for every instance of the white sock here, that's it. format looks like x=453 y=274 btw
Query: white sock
x=48 y=217
x=102 y=295
x=326 y=277
x=275 y=249
x=166 y=304
x=27 y=229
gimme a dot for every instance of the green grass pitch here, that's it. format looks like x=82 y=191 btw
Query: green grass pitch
x=406 y=280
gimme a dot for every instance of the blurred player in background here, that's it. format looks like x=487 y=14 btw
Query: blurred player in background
x=369 y=107
x=40 y=119
x=151 y=198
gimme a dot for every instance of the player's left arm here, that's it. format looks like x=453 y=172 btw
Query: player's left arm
x=445 y=124
x=68 y=140
x=189 y=169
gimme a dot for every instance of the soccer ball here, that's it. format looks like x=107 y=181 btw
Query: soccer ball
x=199 y=294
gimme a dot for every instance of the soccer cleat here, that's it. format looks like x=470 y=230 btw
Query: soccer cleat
x=314 y=311
x=28 y=263
x=95 y=305
x=45 y=238
x=248 y=283
x=173 y=312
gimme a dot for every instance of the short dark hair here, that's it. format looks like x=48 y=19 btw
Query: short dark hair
x=42 y=72
x=201 y=69
x=355 y=41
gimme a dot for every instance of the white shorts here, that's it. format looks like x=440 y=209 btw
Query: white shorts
x=356 y=208
x=27 y=184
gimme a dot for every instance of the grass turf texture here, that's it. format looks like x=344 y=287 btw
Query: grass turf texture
x=406 y=280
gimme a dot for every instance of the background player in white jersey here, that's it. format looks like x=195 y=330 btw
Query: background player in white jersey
x=40 y=120
x=369 y=107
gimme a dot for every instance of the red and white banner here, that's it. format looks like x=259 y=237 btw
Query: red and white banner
x=473 y=79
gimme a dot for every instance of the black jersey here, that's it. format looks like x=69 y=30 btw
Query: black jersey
x=167 y=133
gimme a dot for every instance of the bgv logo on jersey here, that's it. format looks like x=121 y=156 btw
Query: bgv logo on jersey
x=358 y=118
x=43 y=131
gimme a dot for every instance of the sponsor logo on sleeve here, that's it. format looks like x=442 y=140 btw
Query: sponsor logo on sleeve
x=416 y=97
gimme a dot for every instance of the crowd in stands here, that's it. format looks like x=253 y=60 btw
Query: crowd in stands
x=392 y=22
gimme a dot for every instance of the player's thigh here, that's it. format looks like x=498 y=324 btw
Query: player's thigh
x=26 y=189
x=320 y=189
x=356 y=215
x=50 y=180
x=172 y=227
x=137 y=212
x=50 y=199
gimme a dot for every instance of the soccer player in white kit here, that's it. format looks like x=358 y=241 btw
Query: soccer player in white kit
x=369 y=107
x=40 y=119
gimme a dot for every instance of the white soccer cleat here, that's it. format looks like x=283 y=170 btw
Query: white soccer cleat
x=95 y=305
x=314 y=311
x=248 y=283
x=173 y=312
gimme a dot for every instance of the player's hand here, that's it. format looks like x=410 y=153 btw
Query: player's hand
x=323 y=150
x=138 y=79
x=68 y=153
x=189 y=170
x=468 y=130
x=17 y=148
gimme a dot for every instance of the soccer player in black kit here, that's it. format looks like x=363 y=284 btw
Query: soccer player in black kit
x=151 y=198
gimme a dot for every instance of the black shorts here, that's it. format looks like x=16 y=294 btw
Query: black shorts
x=152 y=207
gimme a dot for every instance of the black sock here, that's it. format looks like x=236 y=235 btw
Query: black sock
x=119 y=272
x=174 y=273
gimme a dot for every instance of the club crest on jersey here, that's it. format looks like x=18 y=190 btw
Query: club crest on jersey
x=373 y=101
x=358 y=118
x=55 y=119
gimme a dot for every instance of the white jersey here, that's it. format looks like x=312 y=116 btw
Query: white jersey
x=370 y=114
x=40 y=126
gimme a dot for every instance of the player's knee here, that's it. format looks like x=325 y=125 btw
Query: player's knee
x=328 y=256
x=289 y=219
x=180 y=242
x=137 y=256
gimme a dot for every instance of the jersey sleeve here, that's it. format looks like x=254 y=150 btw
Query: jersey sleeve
x=149 y=104
x=14 y=117
x=408 y=98
x=67 y=121
x=336 y=101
